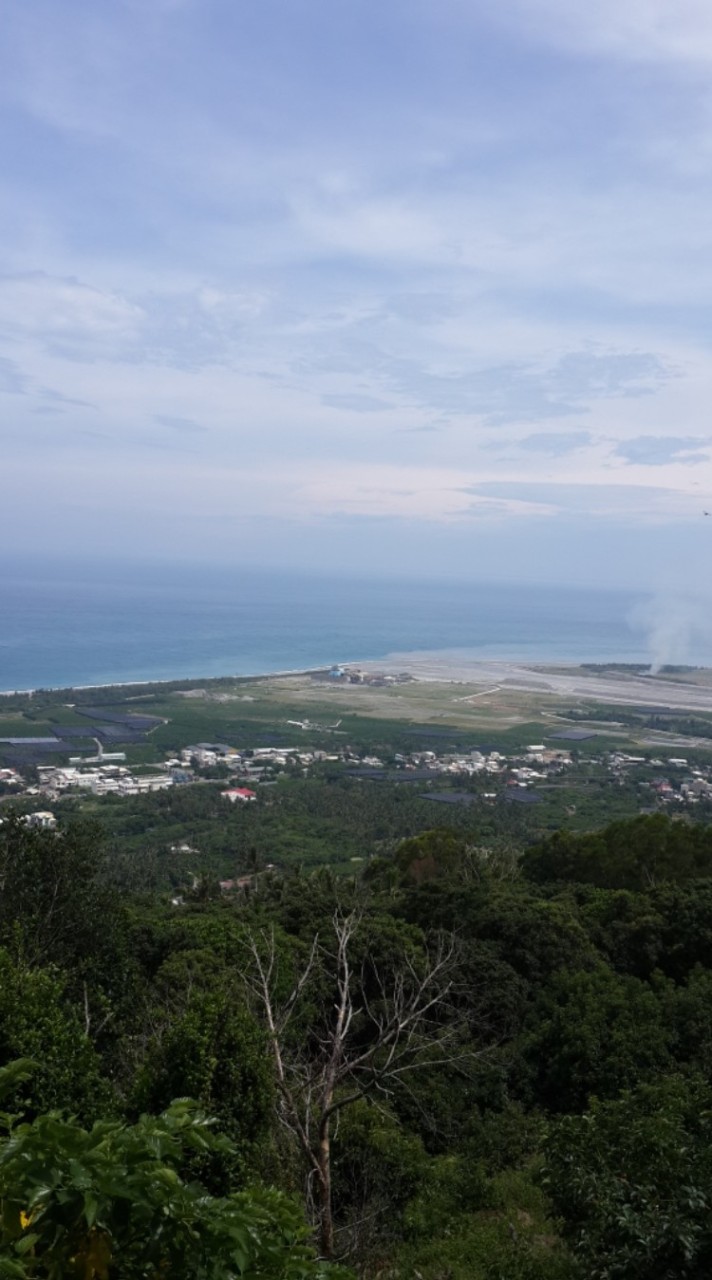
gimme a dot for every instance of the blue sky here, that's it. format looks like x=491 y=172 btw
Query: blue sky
x=401 y=287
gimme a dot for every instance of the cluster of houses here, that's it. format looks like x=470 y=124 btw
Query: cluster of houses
x=104 y=780
x=251 y=764
x=689 y=792
x=520 y=766
x=673 y=781
x=686 y=784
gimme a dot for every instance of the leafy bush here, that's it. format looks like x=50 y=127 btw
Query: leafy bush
x=109 y=1203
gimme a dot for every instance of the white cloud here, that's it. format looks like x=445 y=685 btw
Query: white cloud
x=237 y=276
x=638 y=30
x=368 y=226
x=50 y=307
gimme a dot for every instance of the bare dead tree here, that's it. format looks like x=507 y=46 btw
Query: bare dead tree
x=378 y=1029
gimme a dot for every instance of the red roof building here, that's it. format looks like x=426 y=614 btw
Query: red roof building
x=238 y=793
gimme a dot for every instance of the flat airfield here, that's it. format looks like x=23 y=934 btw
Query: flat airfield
x=690 y=691
x=458 y=690
x=512 y=702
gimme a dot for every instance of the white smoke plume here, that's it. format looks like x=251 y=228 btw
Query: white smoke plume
x=678 y=630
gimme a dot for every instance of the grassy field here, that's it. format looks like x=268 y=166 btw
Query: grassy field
x=411 y=716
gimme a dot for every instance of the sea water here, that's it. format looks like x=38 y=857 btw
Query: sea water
x=64 y=624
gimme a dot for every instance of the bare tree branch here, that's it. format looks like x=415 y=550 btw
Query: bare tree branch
x=366 y=1045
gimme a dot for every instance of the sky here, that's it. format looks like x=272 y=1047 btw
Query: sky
x=409 y=287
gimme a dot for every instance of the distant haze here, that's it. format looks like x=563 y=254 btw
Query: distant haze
x=403 y=289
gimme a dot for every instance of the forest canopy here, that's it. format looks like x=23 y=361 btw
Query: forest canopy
x=450 y=1064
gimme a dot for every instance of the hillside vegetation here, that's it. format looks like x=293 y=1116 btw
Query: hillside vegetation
x=461 y=1064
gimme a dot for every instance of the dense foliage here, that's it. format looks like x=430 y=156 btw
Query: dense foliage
x=472 y=1065
x=112 y=1201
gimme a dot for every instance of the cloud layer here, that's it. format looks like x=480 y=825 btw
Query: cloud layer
x=437 y=272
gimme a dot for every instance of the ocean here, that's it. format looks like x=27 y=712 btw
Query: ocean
x=67 y=624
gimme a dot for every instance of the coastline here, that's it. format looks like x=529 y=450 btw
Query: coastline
x=166 y=680
x=446 y=670
x=611 y=682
